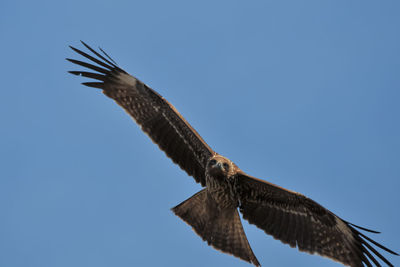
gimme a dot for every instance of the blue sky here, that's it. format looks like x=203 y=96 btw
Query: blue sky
x=304 y=94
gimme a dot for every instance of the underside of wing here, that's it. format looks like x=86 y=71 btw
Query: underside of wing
x=301 y=222
x=156 y=116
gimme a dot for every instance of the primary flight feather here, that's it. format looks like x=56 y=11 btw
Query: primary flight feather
x=213 y=212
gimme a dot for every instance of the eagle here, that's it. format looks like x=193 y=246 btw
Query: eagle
x=213 y=212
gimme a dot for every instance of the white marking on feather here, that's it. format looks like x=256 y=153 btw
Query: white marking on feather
x=127 y=79
x=343 y=228
x=180 y=135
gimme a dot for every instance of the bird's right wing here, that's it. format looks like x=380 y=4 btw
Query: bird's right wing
x=299 y=221
x=157 y=117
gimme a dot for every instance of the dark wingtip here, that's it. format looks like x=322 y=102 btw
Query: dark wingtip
x=73 y=48
x=362 y=228
x=94 y=84
x=82 y=42
x=77 y=73
x=365 y=229
x=109 y=60
x=85 y=44
x=89 y=66
x=112 y=60
x=373 y=242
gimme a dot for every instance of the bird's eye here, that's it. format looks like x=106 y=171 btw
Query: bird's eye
x=213 y=161
x=226 y=166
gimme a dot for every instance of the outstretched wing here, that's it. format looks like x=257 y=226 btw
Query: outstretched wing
x=155 y=115
x=299 y=221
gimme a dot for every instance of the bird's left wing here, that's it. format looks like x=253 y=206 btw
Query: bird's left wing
x=299 y=221
x=157 y=117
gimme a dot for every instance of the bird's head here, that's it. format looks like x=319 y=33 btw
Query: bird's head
x=220 y=166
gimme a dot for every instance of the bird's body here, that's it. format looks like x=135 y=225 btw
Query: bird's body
x=213 y=212
x=220 y=182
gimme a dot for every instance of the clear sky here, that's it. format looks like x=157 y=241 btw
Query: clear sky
x=304 y=94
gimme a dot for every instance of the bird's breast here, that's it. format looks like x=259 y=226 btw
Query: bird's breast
x=221 y=190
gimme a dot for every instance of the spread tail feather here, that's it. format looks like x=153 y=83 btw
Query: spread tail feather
x=221 y=229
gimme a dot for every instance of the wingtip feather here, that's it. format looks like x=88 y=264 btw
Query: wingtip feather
x=363 y=228
x=77 y=73
x=94 y=84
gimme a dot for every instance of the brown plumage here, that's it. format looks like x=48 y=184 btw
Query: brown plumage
x=213 y=212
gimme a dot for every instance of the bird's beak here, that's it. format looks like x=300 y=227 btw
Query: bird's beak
x=219 y=165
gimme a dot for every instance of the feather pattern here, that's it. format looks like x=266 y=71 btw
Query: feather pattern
x=156 y=116
x=299 y=221
x=221 y=229
x=286 y=215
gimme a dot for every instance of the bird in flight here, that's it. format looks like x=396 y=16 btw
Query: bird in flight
x=213 y=212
